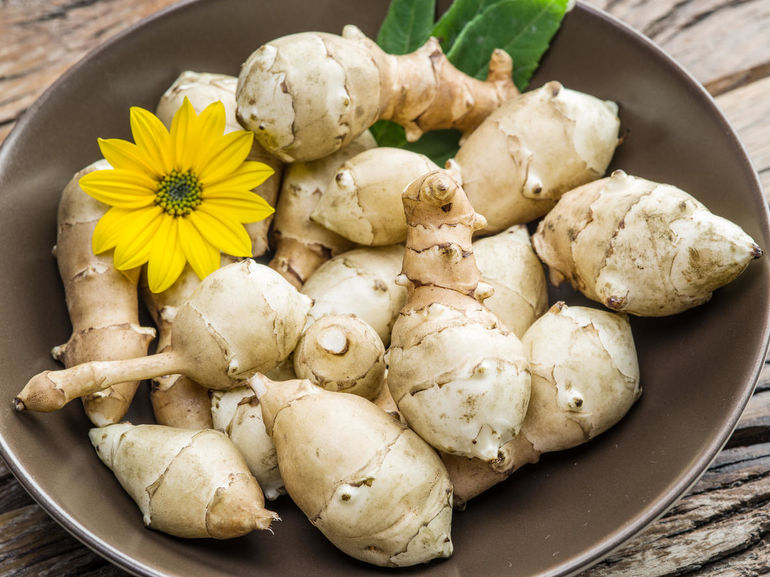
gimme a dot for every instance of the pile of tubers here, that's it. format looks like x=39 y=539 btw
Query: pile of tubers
x=398 y=356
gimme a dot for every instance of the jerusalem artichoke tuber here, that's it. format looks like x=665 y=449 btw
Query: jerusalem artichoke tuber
x=641 y=247
x=102 y=301
x=459 y=378
x=301 y=245
x=421 y=91
x=243 y=318
x=186 y=483
x=585 y=378
x=368 y=483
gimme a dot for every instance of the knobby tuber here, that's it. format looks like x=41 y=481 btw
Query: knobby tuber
x=186 y=483
x=238 y=413
x=641 y=247
x=585 y=378
x=459 y=377
x=242 y=318
x=302 y=245
x=362 y=202
x=514 y=167
x=508 y=263
x=342 y=353
x=101 y=301
x=374 y=488
x=279 y=84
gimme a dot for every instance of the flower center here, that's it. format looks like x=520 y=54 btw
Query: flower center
x=179 y=193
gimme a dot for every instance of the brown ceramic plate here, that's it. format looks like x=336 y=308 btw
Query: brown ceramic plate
x=554 y=518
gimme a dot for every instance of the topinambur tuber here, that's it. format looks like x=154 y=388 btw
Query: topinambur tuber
x=102 y=301
x=302 y=245
x=459 y=378
x=641 y=247
x=369 y=484
x=186 y=483
x=279 y=83
x=508 y=263
x=243 y=318
x=585 y=378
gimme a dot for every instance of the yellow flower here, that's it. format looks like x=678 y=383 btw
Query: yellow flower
x=177 y=196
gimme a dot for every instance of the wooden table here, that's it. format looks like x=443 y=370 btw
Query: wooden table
x=721 y=527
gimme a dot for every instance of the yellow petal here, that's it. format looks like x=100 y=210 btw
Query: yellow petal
x=167 y=259
x=153 y=138
x=182 y=127
x=109 y=229
x=223 y=156
x=242 y=206
x=247 y=176
x=204 y=258
x=127 y=156
x=116 y=187
x=209 y=126
x=224 y=233
x=133 y=248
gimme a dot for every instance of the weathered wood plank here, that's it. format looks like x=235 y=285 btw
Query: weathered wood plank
x=721 y=42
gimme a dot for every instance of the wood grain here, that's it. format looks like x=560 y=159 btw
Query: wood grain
x=721 y=527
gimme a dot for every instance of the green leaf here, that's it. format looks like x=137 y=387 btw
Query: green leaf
x=523 y=28
x=438 y=145
x=407 y=25
x=459 y=14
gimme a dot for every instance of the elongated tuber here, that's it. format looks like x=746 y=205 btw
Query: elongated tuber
x=459 y=377
x=514 y=167
x=585 y=378
x=102 y=301
x=363 y=200
x=243 y=318
x=186 y=483
x=368 y=483
x=508 y=263
x=422 y=91
x=302 y=245
x=238 y=413
x=641 y=247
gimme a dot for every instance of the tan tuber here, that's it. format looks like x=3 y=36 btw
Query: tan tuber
x=243 y=318
x=279 y=83
x=186 y=483
x=368 y=483
x=101 y=301
x=458 y=376
x=641 y=247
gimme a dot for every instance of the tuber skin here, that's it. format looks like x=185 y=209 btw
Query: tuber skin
x=102 y=301
x=458 y=376
x=508 y=263
x=243 y=318
x=421 y=91
x=362 y=202
x=585 y=378
x=177 y=400
x=186 y=483
x=238 y=413
x=514 y=167
x=368 y=483
x=342 y=353
x=302 y=245
x=360 y=282
x=641 y=247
